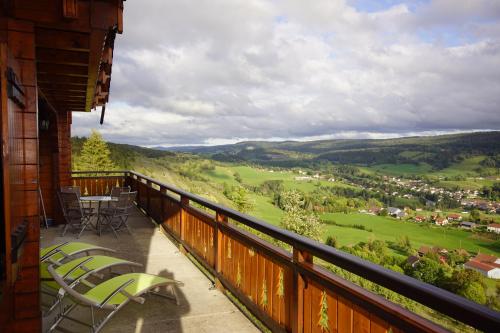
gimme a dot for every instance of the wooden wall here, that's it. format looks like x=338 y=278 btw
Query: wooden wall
x=21 y=302
x=55 y=158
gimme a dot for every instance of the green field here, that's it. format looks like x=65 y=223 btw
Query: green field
x=389 y=229
x=255 y=176
x=384 y=228
x=401 y=169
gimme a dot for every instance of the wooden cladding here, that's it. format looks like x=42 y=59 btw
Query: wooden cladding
x=286 y=291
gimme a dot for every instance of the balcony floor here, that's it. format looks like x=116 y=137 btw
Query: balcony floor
x=201 y=309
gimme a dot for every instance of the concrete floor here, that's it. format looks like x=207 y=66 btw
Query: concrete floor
x=201 y=308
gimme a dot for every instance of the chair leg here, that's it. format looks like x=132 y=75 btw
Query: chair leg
x=66 y=226
x=124 y=222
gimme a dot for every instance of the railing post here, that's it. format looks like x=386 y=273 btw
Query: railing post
x=299 y=284
x=148 y=194
x=163 y=191
x=183 y=220
x=218 y=247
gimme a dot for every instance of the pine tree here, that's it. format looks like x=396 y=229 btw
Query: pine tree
x=95 y=155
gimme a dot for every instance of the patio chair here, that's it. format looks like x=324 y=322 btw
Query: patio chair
x=115 y=191
x=116 y=216
x=74 y=213
x=107 y=298
x=87 y=210
x=78 y=270
x=60 y=253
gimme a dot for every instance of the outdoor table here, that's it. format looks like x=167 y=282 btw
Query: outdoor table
x=99 y=199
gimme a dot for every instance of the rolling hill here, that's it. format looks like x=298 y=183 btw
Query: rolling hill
x=437 y=151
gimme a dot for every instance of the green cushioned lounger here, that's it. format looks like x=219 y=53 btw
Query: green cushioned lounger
x=107 y=298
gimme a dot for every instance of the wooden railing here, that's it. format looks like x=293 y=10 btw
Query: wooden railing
x=286 y=290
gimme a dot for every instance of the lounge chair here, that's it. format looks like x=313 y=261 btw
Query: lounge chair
x=109 y=297
x=60 y=253
x=78 y=270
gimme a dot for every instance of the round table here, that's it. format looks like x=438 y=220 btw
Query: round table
x=99 y=199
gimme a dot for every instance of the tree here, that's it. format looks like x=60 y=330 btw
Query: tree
x=427 y=270
x=475 y=292
x=95 y=155
x=238 y=195
x=296 y=218
x=237 y=177
x=331 y=241
x=303 y=223
x=475 y=216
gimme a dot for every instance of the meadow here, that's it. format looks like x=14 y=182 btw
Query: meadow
x=390 y=229
x=383 y=228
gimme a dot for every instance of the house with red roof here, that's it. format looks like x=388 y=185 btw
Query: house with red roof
x=454 y=217
x=485 y=264
x=494 y=227
x=419 y=218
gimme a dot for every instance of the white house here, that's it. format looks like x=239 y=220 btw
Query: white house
x=485 y=264
x=395 y=212
x=486 y=269
x=441 y=221
x=494 y=227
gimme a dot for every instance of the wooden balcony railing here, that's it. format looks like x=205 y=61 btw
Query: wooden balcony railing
x=286 y=290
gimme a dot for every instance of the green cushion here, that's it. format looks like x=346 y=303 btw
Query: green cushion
x=97 y=263
x=70 y=248
x=142 y=283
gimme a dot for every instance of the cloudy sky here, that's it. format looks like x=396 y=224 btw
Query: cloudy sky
x=219 y=71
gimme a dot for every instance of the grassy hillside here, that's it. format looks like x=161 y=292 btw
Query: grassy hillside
x=207 y=178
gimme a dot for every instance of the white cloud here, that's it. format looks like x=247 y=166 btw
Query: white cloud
x=211 y=71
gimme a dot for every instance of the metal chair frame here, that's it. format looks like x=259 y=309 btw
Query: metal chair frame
x=116 y=217
x=73 y=212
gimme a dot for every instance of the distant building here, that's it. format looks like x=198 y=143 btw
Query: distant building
x=441 y=221
x=395 y=212
x=419 y=218
x=454 y=217
x=485 y=264
x=423 y=250
x=412 y=260
x=494 y=227
x=467 y=225
x=374 y=210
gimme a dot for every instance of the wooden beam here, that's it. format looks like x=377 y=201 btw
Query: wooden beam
x=96 y=45
x=47 y=78
x=52 y=56
x=66 y=70
x=62 y=40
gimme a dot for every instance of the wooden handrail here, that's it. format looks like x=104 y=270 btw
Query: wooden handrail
x=443 y=301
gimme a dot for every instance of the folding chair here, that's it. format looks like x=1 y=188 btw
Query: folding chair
x=116 y=217
x=73 y=213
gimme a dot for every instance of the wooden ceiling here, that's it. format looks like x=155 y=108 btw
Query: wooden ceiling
x=74 y=42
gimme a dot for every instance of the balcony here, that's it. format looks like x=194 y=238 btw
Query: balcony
x=285 y=290
x=202 y=308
